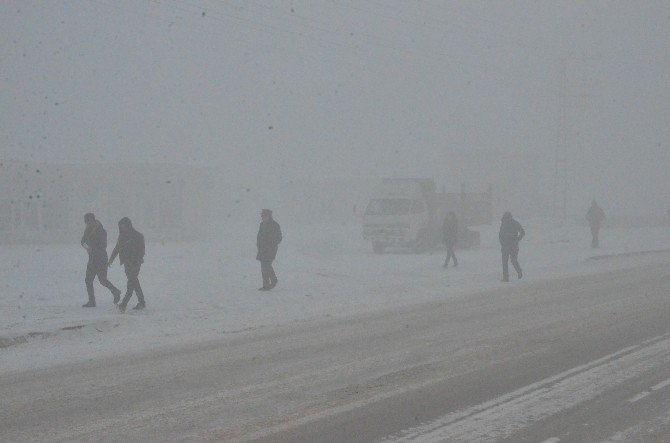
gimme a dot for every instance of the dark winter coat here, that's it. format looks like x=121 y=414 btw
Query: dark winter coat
x=450 y=230
x=510 y=233
x=130 y=248
x=595 y=215
x=268 y=239
x=95 y=237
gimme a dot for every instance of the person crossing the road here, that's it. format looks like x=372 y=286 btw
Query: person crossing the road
x=510 y=235
x=130 y=249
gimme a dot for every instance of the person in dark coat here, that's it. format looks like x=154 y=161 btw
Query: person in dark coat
x=267 y=241
x=510 y=235
x=130 y=249
x=95 y=243
x=595 y=216
x=450 y=236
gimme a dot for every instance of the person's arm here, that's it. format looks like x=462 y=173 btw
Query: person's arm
x=141 y=248
x=84 y=239
x=279 y=236
x=114 y=253
x=521 y=232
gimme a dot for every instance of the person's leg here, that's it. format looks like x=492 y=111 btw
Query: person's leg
x=594 y=236
x=265 y=274
x=452 y=253
x=272 y=276
x=134 y=279
x=130 y=287
x=140 y=294
x=102 y=278
x=90 y=276
x=515 y=261
x=505 y=263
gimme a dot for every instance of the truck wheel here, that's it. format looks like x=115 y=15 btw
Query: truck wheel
x=378 y=248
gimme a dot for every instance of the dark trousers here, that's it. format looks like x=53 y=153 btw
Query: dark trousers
x=268 y=274
x=133 y=272
x=595 y=229
x=450 y=254
x=97 y=268
x=510 y=252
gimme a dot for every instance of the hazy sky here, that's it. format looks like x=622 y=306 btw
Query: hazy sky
x=289 y=88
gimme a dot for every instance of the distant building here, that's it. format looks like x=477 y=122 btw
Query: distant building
x=46 y=202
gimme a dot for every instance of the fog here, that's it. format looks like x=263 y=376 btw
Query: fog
x=549 y=102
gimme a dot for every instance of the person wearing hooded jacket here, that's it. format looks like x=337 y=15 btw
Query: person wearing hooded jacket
x=510 y=235
x=94 y=241
x=130 y=249
x=267 y=242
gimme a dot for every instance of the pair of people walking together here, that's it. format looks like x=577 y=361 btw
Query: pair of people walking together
x=130 y=249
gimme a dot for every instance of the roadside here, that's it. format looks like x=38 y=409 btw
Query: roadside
x=202 y=291
x=357 y=378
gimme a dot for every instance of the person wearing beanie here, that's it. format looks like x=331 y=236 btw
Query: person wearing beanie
x=95 y=243
x=130 y=249
x=267 y=242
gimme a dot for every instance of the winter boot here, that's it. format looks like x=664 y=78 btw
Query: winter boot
x=122 y=308
x=90 y=304
x=139 y=306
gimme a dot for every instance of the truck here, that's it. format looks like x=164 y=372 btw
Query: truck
x=409 y=212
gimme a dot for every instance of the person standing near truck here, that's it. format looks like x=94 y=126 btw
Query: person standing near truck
x=510 y=235
x=450 y=236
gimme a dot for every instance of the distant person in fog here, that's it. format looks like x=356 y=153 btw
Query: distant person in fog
x=450 y=236
x=267 y=242
x=510 y=235
x=95 y=243
x=595 y=216
x=130 y=249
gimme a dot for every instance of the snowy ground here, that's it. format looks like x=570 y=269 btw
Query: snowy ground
x=201 y=291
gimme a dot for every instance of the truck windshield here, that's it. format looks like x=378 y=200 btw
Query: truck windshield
x=388 y=206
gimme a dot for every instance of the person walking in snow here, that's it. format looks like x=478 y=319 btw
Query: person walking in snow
x=450 y=236
x=595 y=216
x=94 y=241
x=510 y=235
x=130 y=249
x=267 y=242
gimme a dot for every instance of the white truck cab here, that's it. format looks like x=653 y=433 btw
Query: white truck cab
x=402 y=212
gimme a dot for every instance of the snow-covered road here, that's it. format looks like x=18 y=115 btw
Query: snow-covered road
x=512 y=362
